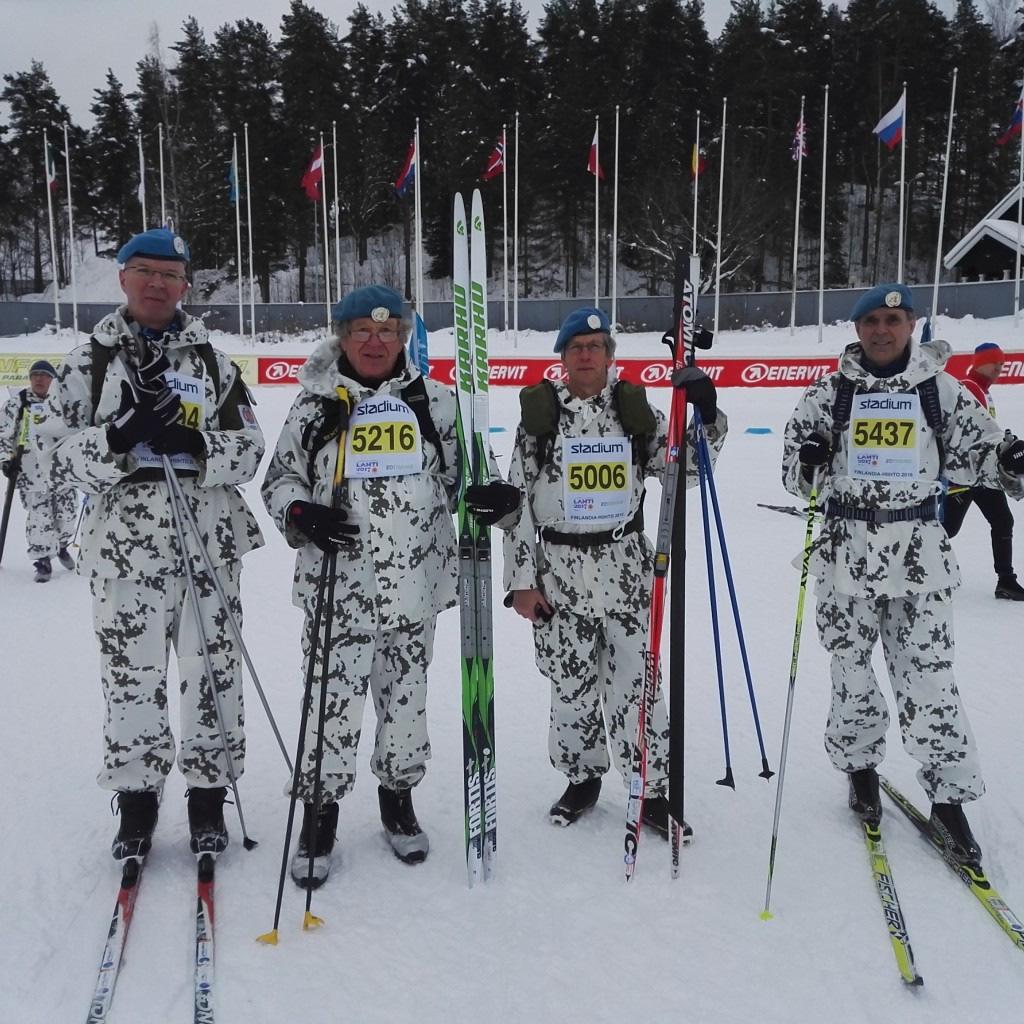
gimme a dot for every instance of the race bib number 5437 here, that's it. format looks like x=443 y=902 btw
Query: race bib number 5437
x=884 y=437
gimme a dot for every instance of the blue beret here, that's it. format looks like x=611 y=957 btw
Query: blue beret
x=42 y=366
x=366 y=302
x=586 y=320
x=883 y=296
x=157 y=244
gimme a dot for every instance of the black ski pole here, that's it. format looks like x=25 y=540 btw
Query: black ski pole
x=20 y=432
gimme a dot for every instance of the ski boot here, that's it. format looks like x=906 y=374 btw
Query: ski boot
x=207 y=831
x=949 y=823
x=865 y=800
x=655 y=816
x=65 y=559
x=323 y=836
x=407 y=839
x=577 y=798
x=43 y=570
x=1008 y=589
x=138 y=810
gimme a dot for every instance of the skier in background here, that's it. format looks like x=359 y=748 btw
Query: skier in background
x=984 y=372
x=111 y=416
x=578 y=565
x=51 y=507
x=883 y=563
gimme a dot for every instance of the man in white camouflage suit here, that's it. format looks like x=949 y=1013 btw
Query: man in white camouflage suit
x=879 y=438
x=391 y=526
x=578 y=564
x=50 y=505
x=149 y=384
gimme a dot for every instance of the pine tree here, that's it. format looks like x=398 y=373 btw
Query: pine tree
x=112 y=150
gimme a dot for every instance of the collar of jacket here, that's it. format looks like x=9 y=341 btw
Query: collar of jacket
x=924 y=361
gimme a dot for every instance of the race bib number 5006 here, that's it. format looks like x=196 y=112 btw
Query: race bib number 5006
x=598 y=478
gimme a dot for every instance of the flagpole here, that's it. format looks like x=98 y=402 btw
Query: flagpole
x=327 y=259
x=418 y=217
x=615 y=223
x=1020 y=201
x=163 y=204
x=53 y=237
x=71 y=230
x=821 y=234
x=515 y=244
x=903 y=175
x=504 y=220
x=248 y=224
x=796 y=215
x=721 y=190
x=696 y=182
x=142 y=182
x=597 y=208
x=238 y=228
x=942 y=207
x=337 y=215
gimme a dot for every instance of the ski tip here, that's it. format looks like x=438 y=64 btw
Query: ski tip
x=766 y=915
x=249 y=844
x=268 y=938
x=311 y=921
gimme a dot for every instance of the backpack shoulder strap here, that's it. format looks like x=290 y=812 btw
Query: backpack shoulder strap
x=636 y=416
x=928 y=392
x=539 y=409
x=414 y=394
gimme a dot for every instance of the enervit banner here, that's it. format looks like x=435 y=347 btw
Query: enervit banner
x=727 y=373
x=749 y=373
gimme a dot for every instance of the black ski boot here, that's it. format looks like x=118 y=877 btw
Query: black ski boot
x=43 y=570
x=323 y=846
x=207 y=831
x=655 y=815
x=407 y=839
x=65 y=559
x=577 y=798
x=1009 y=589
x=865 y=800
x=950 y=824
x=138 y=812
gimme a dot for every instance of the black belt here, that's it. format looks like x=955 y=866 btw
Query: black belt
x=926 y=511
x=592 y=540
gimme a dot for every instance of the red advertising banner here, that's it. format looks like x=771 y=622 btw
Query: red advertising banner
x=795 y=372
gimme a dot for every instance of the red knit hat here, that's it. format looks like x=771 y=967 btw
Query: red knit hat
x=988 y=353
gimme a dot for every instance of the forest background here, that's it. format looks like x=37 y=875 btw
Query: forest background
x=465 y=68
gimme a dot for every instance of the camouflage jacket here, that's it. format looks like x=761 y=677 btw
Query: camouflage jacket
x=872 y=560
x=128 y=532
x=35 y=468
x=612 y=577
x=402 y=568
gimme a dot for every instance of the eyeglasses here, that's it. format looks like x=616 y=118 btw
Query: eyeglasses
x=148 y=273
x=386 y=334
x=588 y=346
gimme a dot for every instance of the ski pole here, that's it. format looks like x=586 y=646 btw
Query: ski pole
x=702 y=440
x=702 y=471
x=804 y=567
x=21 y=433
x=193 y=596
x=73 y=543
x=232 y=622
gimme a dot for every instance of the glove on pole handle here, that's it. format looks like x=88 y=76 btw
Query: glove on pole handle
x=193 y=596
x=804 y=566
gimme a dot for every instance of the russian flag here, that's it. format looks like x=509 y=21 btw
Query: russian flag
x=407 y=175
x=1014 y=127
x=890 y=129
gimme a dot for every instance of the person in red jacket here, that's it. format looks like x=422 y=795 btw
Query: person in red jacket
x=985 y=371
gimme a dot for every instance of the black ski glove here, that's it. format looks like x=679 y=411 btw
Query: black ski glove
x=1011 y=458
x=11 y=468
x=814 y=453
x=492 y=501
x=328 y=528
x=178 y=439
x=141 y=418
x=153 y=364
x=700 y=391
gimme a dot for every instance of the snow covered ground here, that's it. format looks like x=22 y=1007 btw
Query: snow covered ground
x=558 y=935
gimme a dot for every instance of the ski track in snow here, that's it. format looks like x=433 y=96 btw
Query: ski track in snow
x=558 y=935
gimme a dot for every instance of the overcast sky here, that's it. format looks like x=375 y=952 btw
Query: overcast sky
x=77 y=40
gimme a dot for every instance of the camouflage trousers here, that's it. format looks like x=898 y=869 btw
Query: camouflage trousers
x=594 y=664
x=136 y=622
x=917 y=638
x=393 y=664
x=50 y=516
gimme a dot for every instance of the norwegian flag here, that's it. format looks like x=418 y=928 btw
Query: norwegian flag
x=407 y=175
x=51 y=175
x=798 y=147
x=314 y=175
x=496 y=161
x=593 y=163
